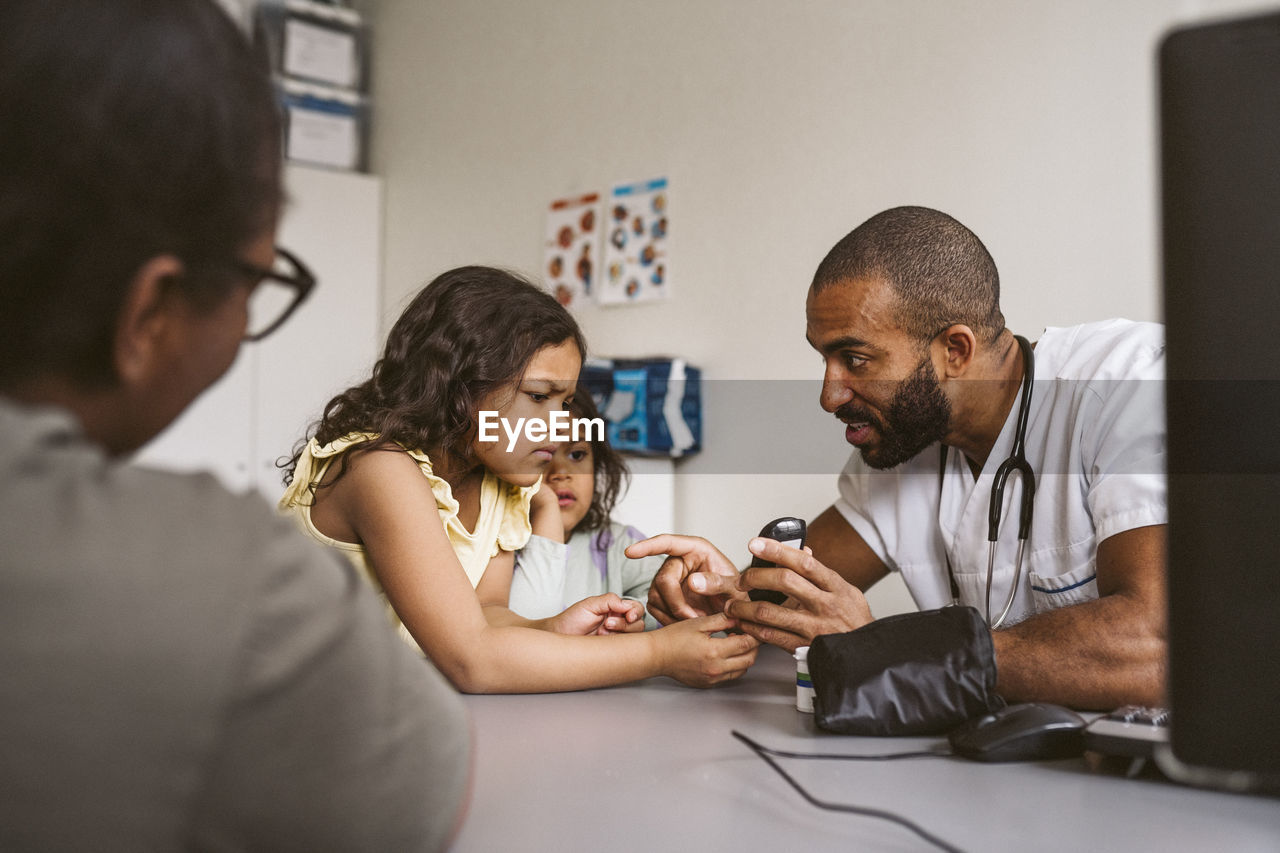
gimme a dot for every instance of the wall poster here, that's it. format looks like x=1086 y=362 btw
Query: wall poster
x=572 y=245
x=635 y=248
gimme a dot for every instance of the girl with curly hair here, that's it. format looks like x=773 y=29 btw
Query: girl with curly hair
x=398 y=477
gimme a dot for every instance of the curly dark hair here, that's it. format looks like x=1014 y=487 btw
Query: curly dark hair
x=469 y=332
x=611 y=474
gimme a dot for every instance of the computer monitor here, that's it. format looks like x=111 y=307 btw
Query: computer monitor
x=1220 y=176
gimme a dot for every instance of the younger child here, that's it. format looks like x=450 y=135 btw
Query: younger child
x=400 y=477
x=576 y=549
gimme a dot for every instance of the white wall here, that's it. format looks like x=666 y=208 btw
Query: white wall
x=781 y=126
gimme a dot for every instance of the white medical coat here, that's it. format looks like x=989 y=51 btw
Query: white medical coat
x=1096 y=441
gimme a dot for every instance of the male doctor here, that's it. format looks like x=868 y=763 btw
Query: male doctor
x=928 y=383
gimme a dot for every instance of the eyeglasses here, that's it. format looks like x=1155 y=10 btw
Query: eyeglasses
x=278 y=293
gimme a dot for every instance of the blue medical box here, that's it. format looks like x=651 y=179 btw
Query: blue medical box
x=653 y=406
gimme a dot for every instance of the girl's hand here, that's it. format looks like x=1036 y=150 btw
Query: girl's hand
x=630 y=623
x=600 y=614
x=689 y=653
x=544 y=514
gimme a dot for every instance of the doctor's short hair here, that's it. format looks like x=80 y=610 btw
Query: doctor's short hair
x=129 y=129
x=938 y=268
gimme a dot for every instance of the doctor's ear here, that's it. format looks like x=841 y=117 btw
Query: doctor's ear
x=957 y=346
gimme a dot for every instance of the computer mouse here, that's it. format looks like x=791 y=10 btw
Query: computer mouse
x=1034 y=731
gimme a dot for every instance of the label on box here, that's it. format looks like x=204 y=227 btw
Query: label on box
x=326 y=137
x=320 y=53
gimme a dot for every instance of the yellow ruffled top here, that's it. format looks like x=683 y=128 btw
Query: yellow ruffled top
x=503 y=524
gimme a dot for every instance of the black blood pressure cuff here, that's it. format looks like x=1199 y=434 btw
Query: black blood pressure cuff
x=910 y=674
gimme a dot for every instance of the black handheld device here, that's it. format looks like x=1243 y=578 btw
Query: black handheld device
x=788 y=531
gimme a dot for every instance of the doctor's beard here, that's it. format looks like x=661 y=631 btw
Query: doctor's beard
x=917 y=416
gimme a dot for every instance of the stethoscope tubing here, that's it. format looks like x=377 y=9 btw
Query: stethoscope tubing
x=1016 y=463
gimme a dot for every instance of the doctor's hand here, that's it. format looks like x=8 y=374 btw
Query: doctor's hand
x=696 y=579
x=821 y=602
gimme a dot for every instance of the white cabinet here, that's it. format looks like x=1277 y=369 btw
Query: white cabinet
x=278 y=387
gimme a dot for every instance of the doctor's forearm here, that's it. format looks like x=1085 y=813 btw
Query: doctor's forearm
x=1097 y=655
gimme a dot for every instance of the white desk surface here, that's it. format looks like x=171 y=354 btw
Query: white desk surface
x=652 y=767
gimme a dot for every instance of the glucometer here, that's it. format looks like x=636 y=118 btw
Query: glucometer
x=789 y=531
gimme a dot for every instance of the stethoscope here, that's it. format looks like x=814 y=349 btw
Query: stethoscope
x=1017 y=462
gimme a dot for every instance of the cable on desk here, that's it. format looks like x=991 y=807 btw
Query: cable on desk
x=944 y=752
x=765 y=754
